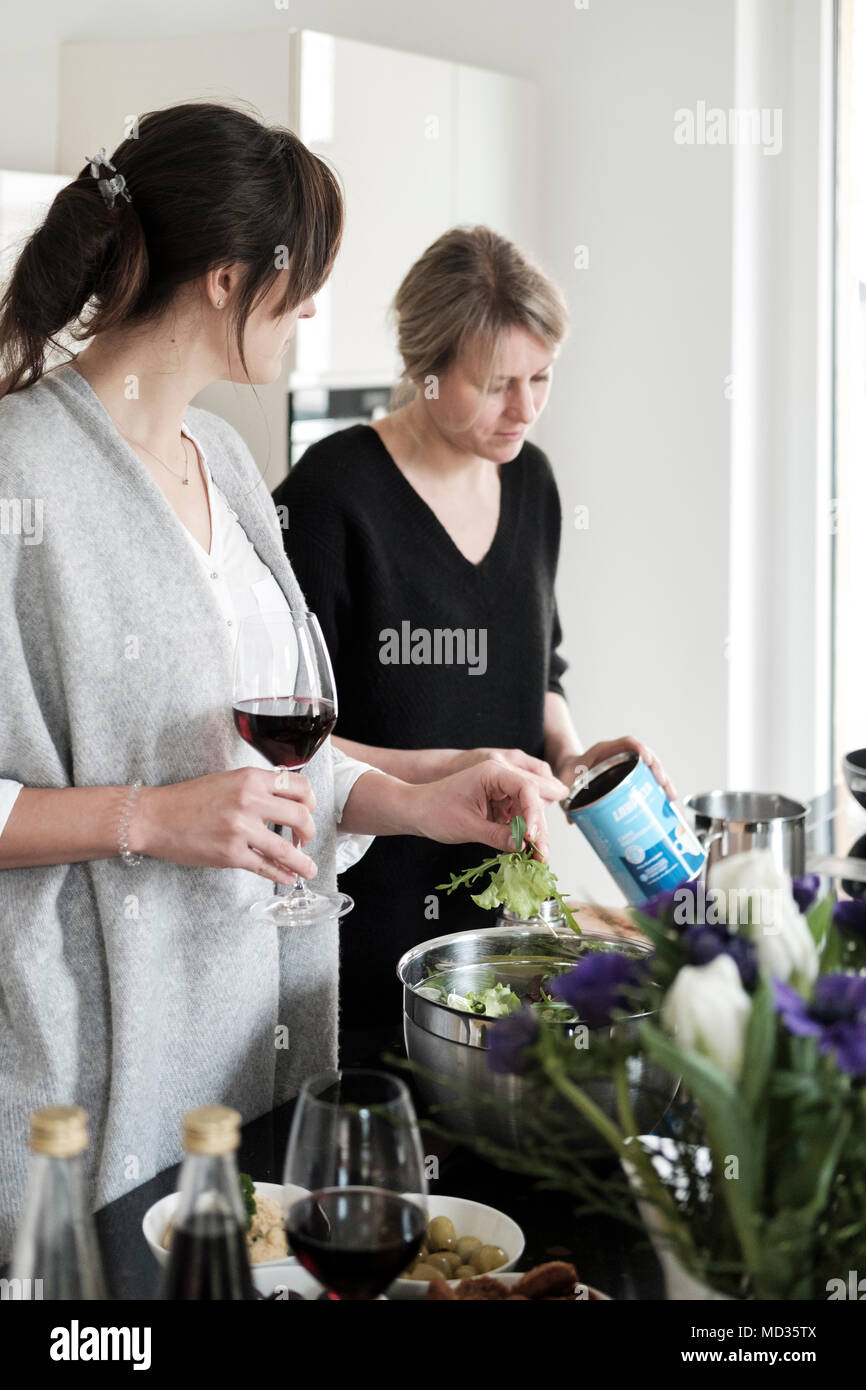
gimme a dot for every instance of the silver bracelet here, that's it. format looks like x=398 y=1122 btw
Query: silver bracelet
x=130 y=859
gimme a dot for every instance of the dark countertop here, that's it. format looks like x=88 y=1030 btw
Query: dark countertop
x=612 y=1257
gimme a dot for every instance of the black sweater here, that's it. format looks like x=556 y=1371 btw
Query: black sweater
x=429 y=651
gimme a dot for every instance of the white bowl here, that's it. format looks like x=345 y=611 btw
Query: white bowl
x=157 y=1217
x=270 y=1277
x=492 y=1227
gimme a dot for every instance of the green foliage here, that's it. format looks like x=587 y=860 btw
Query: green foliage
x=518 y=880
x=782 y=1210
x=248 y=1193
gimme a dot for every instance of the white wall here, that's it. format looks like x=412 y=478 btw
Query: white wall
x=638 y=426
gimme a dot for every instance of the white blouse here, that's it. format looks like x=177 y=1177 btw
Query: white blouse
x=241 y=585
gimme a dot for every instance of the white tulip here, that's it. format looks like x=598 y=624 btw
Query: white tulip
x=756 y=887
x=708 y=1010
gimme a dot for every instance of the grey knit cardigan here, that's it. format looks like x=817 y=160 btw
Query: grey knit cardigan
x=135 y=992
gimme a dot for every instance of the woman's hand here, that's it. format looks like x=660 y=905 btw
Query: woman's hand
x=569 y=767
x=479 y=802
x=540 y=773
x=221 y=822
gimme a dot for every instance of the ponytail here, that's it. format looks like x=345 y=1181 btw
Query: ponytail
x=84 y=251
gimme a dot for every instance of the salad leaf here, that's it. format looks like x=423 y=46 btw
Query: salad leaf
x=499 y=1001
x=518 y=880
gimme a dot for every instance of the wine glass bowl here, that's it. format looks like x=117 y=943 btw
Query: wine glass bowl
x=285 y=706
x=355 y=1139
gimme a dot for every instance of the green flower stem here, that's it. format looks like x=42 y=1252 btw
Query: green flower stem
x=626 y=1114
x=635 y=1156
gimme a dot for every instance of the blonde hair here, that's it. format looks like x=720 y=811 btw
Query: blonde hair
x=466 y=290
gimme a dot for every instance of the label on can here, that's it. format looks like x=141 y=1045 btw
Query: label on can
x=635 y=830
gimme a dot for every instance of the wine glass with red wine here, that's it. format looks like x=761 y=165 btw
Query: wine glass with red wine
x=285 y=706
x=355 y=1145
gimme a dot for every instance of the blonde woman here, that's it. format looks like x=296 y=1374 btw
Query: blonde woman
x=136 y=824
x=428 y=543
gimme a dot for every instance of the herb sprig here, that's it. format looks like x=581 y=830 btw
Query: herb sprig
x=517 y=879
x=248 y=1194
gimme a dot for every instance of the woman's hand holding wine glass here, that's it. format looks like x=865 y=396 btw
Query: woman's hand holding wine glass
x=285 y=706
x=221 y=821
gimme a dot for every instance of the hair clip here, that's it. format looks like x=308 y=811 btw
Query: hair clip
x=109 y=188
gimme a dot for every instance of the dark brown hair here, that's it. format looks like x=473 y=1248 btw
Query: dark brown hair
x=209 y=185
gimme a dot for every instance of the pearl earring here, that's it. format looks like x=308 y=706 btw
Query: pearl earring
x=219 y=304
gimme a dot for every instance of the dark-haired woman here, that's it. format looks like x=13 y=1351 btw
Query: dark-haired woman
x=136 y=822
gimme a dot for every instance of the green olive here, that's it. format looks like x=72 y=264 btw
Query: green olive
x=453 y=1260
x=441 y=1234
x=425 y=1272
x=488 y=1257
x=441 y=1262
x=465 y=1272
x=465 y=1246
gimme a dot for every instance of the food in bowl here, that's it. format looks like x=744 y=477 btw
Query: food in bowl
x=445 y=1255
x=496 y=988
x=266 y=1232
x=554 y=1282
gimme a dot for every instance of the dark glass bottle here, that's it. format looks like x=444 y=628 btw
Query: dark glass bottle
x=208 y=1259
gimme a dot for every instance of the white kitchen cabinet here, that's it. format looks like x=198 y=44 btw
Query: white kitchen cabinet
x=385 y=120
x=420 y=145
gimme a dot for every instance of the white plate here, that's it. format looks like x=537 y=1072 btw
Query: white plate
x=513 y=1278
x=269 y=1278
x=157 y=1217
x=492 y=1227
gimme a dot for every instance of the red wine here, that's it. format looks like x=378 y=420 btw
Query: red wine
x=355 y=1240
x=286 y=729
x=208 y=1260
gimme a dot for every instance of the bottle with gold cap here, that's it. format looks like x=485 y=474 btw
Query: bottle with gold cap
x=56 y=1253
x=208 y=1257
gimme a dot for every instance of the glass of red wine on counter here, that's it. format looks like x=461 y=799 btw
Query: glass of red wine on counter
x=285 y=706
x=355 y=1145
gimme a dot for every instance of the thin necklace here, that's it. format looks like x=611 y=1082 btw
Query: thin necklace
x=185 y=478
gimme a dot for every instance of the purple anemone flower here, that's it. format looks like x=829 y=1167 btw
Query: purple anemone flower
x=805 y=890
x=664 y=905
x=703 y=944
x=745 y=956
x=849 y=917
x=598 y=985
x=510 y=1042
x=658 y=906
x=836 y=1017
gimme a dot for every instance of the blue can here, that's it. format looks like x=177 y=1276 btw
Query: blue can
x=635 y=829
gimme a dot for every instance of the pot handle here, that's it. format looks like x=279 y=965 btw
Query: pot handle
x=706 y=839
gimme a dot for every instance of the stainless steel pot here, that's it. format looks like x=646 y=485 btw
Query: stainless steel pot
x=730 y=823
x=450 y=1046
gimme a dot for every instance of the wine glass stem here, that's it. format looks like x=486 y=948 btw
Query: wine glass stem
x=299 y=892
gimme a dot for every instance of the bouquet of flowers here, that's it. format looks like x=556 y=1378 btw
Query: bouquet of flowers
x=754 y=1000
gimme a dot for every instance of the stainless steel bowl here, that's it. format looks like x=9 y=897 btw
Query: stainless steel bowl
x=449 y=1046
